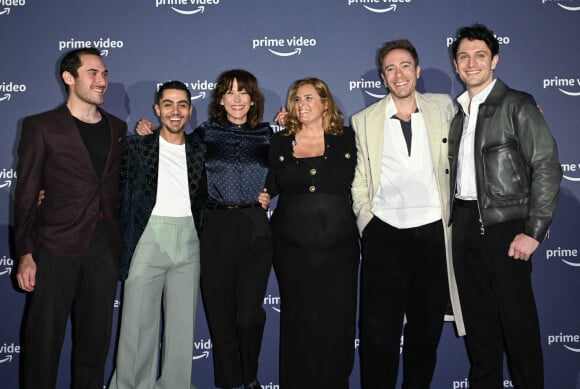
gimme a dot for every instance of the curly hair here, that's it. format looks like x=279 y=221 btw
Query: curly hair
x=476 y=32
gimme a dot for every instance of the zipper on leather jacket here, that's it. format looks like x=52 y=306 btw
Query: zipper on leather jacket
x=481 y=225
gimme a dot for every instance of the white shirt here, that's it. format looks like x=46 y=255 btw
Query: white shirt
x=408 y=195
x=466 y=182
x=172 y=182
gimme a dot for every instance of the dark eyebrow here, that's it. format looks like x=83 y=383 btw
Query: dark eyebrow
x=178 y=102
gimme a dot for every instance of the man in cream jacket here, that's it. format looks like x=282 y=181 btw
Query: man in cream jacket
x=400 y=194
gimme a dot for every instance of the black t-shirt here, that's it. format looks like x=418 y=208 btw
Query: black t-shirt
x=97 y=138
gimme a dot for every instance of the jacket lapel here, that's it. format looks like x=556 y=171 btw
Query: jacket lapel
x=114 y=140
x=375 y=136
x=433 y=121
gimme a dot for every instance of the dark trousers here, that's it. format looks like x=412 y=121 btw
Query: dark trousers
x=403 y=273
x=85 y=288
x=236 y=258
x=497 y=302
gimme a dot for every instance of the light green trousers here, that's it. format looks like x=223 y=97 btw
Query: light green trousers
x=163 y=277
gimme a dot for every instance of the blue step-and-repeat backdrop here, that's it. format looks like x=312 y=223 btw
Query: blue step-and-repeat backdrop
x=146 y=42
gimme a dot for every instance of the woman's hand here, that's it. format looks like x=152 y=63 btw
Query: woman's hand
x=280 y=118
x=264 y=199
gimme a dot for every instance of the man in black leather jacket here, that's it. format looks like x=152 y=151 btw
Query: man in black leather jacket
x=505 y=179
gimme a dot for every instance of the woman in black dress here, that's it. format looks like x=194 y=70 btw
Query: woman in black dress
x=316 y=249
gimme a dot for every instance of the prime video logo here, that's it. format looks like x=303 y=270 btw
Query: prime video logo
x=401 y=343
x=563 y=84
x=10 y=3
x=103 y=44
x=6 y=264
x=275 y=129
x=378 y=6
x=565 y=255
x=502 y=40
x=562 y=338
x=464 y=383
x=561 y=5
x=364 y=85
x=201 y=349
x=6 y=352
x=7 y=88
x=273 y=301
x=284 y=47
x=6 y=177
x=181 y=6
x=571 y=168
x=199 y=88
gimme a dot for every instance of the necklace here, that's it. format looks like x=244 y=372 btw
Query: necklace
x=308 y=141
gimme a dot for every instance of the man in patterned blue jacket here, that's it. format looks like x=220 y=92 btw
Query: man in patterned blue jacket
x=164 y=188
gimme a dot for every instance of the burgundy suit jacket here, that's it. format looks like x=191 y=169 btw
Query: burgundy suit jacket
x=52 y=156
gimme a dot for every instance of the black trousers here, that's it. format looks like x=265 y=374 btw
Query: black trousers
x=497 y=302
x=236 y=258
x=403 y=273
x=83 y=287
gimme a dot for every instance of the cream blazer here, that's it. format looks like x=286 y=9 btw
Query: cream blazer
x=368 y=125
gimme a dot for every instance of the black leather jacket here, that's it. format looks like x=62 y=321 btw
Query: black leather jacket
x=516 y=161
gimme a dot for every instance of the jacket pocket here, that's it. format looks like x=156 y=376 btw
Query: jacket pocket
x=506 y=176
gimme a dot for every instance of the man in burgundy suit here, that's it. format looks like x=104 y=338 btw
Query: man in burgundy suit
x=69 y=246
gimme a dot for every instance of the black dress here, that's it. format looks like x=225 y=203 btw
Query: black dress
x=316 y=256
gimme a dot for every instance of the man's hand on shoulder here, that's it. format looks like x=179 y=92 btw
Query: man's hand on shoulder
x=41 y=196
x=26 y=275
x=522 y=247
x=144 y=127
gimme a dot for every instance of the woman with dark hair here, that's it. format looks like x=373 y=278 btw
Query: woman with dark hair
x=316 y=250
x=236 y=247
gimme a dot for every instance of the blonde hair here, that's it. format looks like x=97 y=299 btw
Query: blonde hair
x=332 y=117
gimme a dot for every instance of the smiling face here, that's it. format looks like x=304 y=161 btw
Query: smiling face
x=237 y=104
x=308 y=104
x=174 y=110
x=91 y=83
x=400 y=73
x=475 y=65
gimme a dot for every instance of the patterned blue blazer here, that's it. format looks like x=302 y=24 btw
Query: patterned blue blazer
x=139 y=172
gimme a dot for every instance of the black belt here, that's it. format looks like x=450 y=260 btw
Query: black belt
x=465 y=203
x=233 y=206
